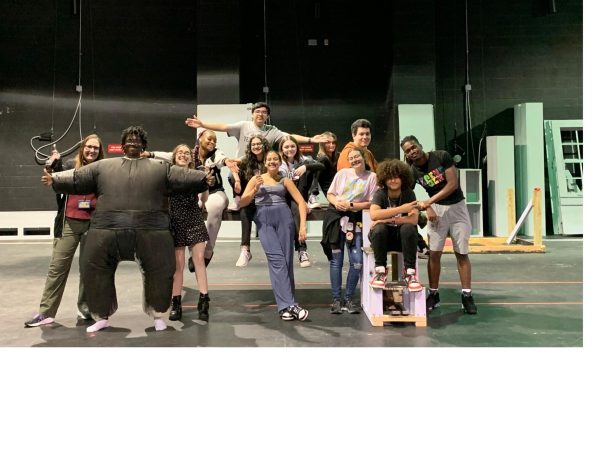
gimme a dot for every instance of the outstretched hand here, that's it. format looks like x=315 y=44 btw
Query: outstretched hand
x=193 y=122
x=232 y=164
x=47 y=178
x=319 y=138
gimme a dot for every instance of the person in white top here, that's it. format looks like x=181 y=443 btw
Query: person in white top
x=350 y=192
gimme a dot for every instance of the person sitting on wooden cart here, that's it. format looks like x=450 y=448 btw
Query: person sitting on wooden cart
x=394 y=217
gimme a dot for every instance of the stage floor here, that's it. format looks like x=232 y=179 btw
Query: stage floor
x=524 y=300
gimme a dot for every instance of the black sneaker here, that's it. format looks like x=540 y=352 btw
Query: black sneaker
x=433 y=300
x=284 y=314
x=353 y=306
x=336 y=306
x=298 y=312
x=468 y=304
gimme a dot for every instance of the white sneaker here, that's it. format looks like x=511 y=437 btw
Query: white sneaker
x=244 y=259
x=236 y=204
x=313 y=202
x=411 y=281
x=303 y=258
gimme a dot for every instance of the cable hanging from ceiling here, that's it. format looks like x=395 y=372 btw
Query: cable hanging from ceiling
x=40 y=153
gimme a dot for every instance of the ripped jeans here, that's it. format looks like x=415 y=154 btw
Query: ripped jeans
x=355 y=258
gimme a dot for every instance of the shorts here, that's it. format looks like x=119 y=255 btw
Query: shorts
x=453 y=220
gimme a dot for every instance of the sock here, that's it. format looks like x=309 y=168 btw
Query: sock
x=159 y=324
x=466 y=292
x=102 y=323
x=433 y=291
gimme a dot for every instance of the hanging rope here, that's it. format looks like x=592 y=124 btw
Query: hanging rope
x=40 y=156
x=266 y=85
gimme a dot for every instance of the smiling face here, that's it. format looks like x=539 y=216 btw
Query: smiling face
x=256 y=146
x=362 y=137
x=412 y=151
x=330 y=146
x=133 y=146
x=91 y=150
x=260 y=116
x=272 y=162
x=182 y=156
x=289 y=150
x=356 y=160
x=208 y=141
x=393 y=184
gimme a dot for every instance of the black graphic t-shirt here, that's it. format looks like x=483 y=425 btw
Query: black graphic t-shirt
x=432 y=176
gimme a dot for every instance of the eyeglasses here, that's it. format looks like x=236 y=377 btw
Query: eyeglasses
x=184 y=153
x=92 y=147
x=262 y=112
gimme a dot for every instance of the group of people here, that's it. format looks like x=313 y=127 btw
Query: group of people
x=149 y=206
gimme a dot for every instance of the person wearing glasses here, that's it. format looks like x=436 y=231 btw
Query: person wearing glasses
x=447 y=214
x=190 y=231
x=350 y=192
x=251 y=165
x=70 y=228
x=245 y=129
x=131 y=222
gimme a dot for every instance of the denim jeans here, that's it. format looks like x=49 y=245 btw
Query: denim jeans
x=355 y=259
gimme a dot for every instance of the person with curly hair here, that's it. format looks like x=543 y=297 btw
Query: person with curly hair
x=395 y=215
x=130 y=223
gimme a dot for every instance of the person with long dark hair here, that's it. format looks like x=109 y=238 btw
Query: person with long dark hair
x=252 y=164
x=276 y=231
x=300 y=170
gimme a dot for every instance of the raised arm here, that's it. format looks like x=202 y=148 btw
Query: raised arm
x=195 y=122
x=251 y=190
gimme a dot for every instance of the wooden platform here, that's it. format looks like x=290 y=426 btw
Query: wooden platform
x=498 y=245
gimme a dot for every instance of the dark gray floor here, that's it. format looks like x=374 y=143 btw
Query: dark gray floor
x=525 y=300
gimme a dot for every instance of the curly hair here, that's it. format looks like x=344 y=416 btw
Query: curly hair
x=135 y=131
x=394 y=168
x=251 y=164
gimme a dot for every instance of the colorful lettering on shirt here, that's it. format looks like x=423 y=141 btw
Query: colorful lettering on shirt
x=436 y=176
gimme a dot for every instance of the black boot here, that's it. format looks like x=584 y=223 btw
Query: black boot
x=176 y=309
x=203 y=307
